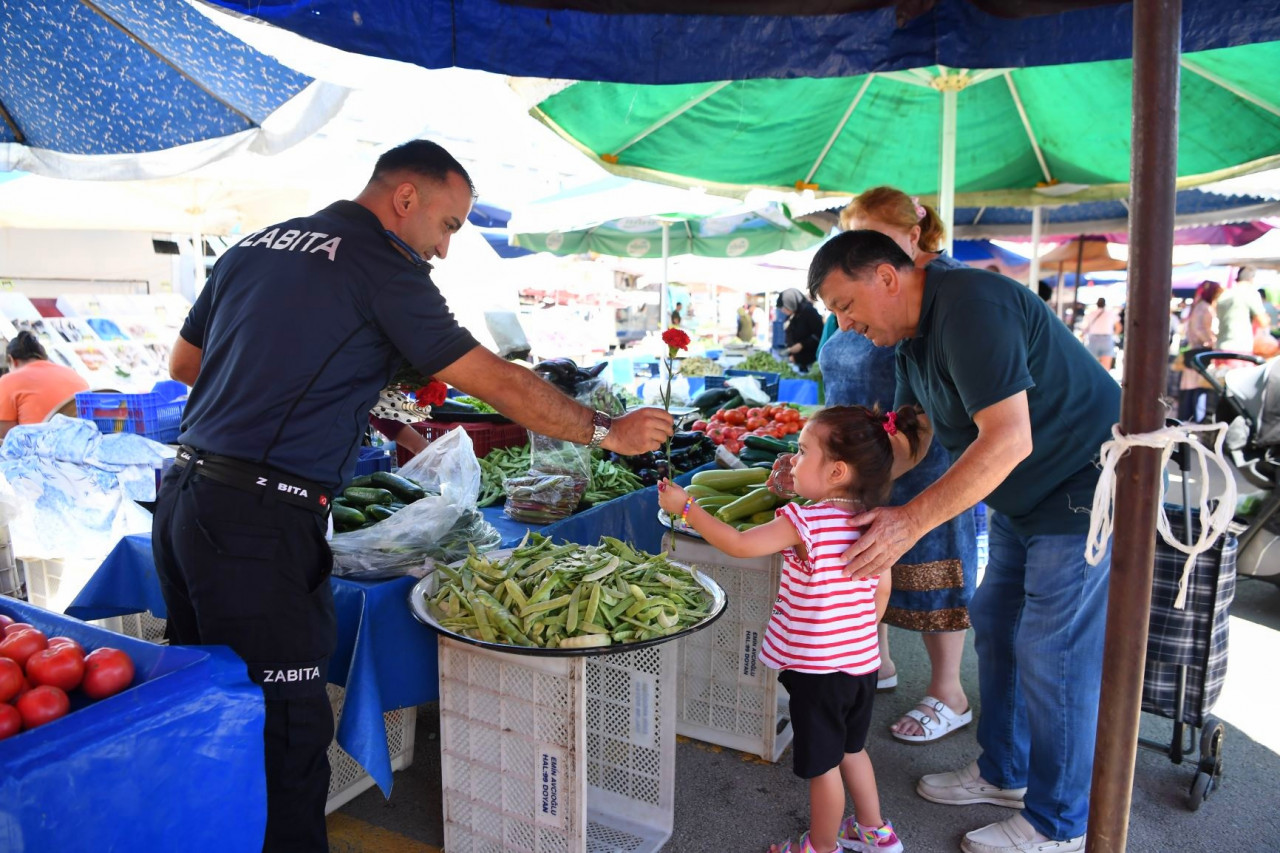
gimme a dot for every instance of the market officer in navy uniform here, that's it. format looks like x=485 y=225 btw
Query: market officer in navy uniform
x=300 y=326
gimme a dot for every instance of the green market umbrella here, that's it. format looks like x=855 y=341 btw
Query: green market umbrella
x=629 y=219
x=1015 y=136
x=633 y=220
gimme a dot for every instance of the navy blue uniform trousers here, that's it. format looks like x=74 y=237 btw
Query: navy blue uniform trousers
x=243 y=570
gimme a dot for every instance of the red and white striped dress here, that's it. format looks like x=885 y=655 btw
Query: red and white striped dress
x=822 y=620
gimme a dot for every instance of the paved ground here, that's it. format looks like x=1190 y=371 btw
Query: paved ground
x=728 y=801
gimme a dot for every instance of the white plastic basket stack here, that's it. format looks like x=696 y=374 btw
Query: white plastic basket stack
x=557 y=753
x=53 y=584
x=727 y=697
x=347 y=779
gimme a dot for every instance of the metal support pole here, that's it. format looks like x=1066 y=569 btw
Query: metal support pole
x=1036 y=225
x=947 y=168
x=664 y=297
x=1156 y=50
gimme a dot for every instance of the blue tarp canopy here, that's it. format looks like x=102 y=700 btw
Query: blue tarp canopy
x=131 y=89
x=641 y=41
x=1193 y=208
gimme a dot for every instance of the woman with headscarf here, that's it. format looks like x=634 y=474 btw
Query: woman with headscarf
x=804 y=328
x=934 y=581
x=34 y=387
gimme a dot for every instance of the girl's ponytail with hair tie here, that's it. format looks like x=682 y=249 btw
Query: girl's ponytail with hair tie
x=891 y=423
x=920 y=211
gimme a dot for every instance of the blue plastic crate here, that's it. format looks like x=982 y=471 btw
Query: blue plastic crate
x=769 y=382
x=154 y=415
x=372 y=459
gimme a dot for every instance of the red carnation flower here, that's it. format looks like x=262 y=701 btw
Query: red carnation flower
x=675 y=339
x=432 y=394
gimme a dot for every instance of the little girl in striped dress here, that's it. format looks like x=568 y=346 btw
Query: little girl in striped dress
x=822 y=634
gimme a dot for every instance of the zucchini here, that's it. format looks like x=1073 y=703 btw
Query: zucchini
x=763 y=517
x=771 y=445
x=362 y=482
x=403 y=489
x=365 y=496
x=696 y=492
x=730 y=479
x=748 y=505
x=714 y=502
x=378 y=512
x=345 y=517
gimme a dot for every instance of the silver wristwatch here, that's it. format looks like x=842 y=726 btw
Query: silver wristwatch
x=601 y=424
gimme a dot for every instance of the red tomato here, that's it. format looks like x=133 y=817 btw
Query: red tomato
x=10 y=721
x=733 y=445
x=735 y=417
x=792 y=428
x=59 y=666
x=699 y=426
x=21 y=645
x=11 y=680
x=755 y=422
x=66 y=641
x=107 y=671
x=5 y=622
x=15 y=627
x=718 y=417
x=755 y=412
x=42 y=705
x=716 y=434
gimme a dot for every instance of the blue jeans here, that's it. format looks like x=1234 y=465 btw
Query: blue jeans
x=1039 y=617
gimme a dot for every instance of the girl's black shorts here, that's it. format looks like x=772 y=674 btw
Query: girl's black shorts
x=830 y=715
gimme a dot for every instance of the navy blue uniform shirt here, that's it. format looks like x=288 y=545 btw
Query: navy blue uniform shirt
x=983 y=338
x=301 y=325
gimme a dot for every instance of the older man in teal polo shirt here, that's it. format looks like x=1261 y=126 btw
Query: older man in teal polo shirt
x=1023 y=409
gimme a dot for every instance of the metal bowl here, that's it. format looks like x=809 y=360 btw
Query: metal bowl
x=427 y=587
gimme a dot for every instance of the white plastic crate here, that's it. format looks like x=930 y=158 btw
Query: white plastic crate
x=726 y=695
x=11 y=582
x=563 y=754
x=347 y=779
x=54 y=584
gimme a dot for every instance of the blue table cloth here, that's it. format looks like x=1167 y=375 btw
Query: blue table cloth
x=384 y=658
x=141 y=769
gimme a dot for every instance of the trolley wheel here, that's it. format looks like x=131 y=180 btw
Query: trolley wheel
x=1201 y=786
x=1211 y=748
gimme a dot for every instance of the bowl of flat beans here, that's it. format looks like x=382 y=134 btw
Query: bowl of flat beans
x=565 y=599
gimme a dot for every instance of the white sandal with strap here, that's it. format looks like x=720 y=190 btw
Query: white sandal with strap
x=943 y=722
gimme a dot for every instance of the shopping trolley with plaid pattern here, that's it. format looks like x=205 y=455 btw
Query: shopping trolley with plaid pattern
x=1187 y=648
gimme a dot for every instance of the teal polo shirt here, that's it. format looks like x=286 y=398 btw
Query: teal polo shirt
x=983 y=338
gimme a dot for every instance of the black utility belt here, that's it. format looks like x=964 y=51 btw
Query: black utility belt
x=257 y=479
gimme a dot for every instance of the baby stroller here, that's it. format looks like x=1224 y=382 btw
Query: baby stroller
x=1249 y=402
x=1187 y=648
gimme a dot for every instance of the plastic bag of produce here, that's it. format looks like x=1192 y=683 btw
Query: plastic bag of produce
x=559 y=474
x=436 y=527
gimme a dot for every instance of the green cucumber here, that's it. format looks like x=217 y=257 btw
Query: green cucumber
x=365 y=496
x=403 y=489
x=378 y=512
x=346 y=518
x=750 y=455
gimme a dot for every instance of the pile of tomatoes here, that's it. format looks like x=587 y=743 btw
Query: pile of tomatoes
x=728 y=427
x=38 y=673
